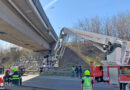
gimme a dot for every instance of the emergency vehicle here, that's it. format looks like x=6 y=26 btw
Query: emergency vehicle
x=115 y=69
x=2 y=86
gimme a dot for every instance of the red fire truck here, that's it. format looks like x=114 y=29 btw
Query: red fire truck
x=115 y=68
x=115 y=75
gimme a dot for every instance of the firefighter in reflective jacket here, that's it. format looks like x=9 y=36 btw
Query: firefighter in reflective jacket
x=110 y=47
x=16 y=77
x=87 y=82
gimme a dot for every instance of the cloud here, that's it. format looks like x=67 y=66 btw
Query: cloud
x=50 y=4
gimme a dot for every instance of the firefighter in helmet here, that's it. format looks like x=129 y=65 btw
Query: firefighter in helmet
x=16 y=77
x=87 y=81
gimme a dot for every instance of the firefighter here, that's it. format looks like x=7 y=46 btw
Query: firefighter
x=72 y=70
x=80 y=71
x=7 y=76
x=41 y=70
x=77 y=71
x=16 y=77
x=87 y=82
x=110 y=47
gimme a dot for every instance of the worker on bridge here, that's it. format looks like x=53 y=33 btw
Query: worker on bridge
x=16 y=77
x=87 y=81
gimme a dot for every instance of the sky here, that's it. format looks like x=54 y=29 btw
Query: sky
x=66 y=13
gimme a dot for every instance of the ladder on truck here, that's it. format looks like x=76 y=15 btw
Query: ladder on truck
x=117 y=59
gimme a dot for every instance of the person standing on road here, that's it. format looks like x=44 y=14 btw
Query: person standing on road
x=87 y=82
x=80 y=71
x=41 y=70
x=16 y=77
x=77 y=71
x=72 y=70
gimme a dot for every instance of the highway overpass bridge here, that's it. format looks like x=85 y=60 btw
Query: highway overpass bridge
x=24 y=23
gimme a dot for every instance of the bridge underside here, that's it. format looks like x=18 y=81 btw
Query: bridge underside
x=12 y=35
x=27 y=29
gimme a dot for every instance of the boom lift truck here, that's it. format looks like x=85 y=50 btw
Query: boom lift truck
x=116 y=68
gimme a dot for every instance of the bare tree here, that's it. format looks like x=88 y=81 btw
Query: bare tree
x=96 y=25
x=116 y=26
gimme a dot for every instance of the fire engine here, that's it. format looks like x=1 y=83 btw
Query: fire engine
x=115 y=69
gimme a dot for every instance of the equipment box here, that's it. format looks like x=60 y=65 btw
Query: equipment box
x=113 y=74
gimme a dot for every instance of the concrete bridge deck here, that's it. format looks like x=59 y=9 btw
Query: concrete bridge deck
x=24 y=23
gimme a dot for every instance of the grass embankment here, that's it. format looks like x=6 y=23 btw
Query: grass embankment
x=88 y=53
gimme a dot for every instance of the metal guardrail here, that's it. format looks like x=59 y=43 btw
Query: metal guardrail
x=44 y=17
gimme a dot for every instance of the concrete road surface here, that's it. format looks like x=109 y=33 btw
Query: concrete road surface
x=61 y=83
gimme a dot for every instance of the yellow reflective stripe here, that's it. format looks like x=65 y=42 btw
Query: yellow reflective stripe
x=15 y=76
x=19 y=82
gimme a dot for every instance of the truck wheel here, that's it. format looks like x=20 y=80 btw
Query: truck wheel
x=99 y=79
x=121 y=86
x=127 y=87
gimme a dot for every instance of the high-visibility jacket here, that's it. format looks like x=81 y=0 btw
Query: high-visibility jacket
x=72 y=69
x=87 y=85
x=16 y=79
x=110 y=49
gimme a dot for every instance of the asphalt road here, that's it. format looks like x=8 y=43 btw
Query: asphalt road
x=62 y=83
x=33 y=82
